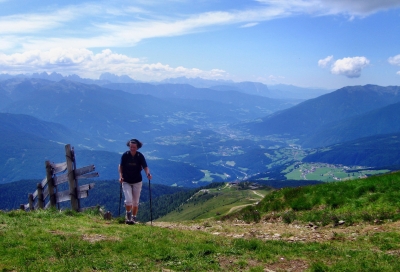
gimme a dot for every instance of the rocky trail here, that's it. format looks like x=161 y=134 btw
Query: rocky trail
x=296 y=233
x=281 y=231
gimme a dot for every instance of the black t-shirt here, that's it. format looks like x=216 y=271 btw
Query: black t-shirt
x=132 y=166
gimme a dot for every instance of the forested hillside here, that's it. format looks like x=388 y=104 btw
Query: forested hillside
x=105 y=194
x=375 y=151
x=305 y=119
x=376 y=122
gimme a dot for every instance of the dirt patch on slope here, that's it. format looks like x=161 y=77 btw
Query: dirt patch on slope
x=281 y=231
x=296 y=232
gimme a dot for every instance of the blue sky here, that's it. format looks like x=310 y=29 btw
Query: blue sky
x=307 y=43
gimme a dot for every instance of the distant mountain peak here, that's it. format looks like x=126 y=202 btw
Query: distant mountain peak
x=116 y=79
x=197 y=82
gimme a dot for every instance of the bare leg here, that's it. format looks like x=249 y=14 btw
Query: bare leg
x=128 y=216
x=128 y=208
x=135 y=210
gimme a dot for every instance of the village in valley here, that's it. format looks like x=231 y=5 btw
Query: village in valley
x=329 y=172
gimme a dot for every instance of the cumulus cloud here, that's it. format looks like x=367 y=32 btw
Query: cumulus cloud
x=349 y=67
x=394 y=60
x=88 y=64
x=325 y=62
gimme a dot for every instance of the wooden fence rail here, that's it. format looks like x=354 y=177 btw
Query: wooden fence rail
x=47 y=195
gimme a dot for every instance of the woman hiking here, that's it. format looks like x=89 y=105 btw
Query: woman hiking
x=130 y=177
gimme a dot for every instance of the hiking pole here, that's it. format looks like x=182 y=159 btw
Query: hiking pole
x=120 y=198
x=151 y=211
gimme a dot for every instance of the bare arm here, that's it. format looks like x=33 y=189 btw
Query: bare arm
x=121 y=178
x=147 y=170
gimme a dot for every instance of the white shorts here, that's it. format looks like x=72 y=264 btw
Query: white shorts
x=132 y=193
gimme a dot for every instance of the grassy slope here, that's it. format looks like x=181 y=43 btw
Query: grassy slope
x=54 y=241
x=374 y=199
x=209 y=203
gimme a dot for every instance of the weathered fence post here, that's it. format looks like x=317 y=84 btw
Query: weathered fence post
x=37 y=200
x=50 y=184
x=40 y=200
x=30 y=198
x=71 y=178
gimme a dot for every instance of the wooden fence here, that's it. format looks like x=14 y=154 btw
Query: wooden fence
x=47 y=194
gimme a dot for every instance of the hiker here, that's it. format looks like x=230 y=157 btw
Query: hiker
x=130 y=168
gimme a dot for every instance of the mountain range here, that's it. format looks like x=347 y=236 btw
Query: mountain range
x=192 y=135
x=380 y=151
x=346 y=114
x=40 y=116
x=279 y=91
x=104 y=116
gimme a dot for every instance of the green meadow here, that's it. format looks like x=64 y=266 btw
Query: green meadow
x=51 y=240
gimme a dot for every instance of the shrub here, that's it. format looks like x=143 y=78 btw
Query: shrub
x=288 y=217
x=374 y=197
x=276 y=205
x=367 y=216
x=301 y=204
x=334 y=201
x=363 y=189
x=250 y=214
x=292 y=193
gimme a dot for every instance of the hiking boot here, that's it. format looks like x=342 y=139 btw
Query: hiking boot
x=128 y=218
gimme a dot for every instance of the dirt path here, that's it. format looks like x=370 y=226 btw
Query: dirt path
x=257 y=193
x=242 y=206
x=281 y=231
x=237 y=207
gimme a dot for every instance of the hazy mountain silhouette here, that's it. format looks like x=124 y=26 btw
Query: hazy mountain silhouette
x=305 y=119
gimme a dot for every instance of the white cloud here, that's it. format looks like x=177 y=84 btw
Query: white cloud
x=349 y=67
x=360 y=7
x=91 y=25
x=88 y=64
x=29 y=23
x=394 y=60
x=324 y=7
x=325 y=62
x=249 y=25
x=44 y=37
x=275 y=78
x=67 y=27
